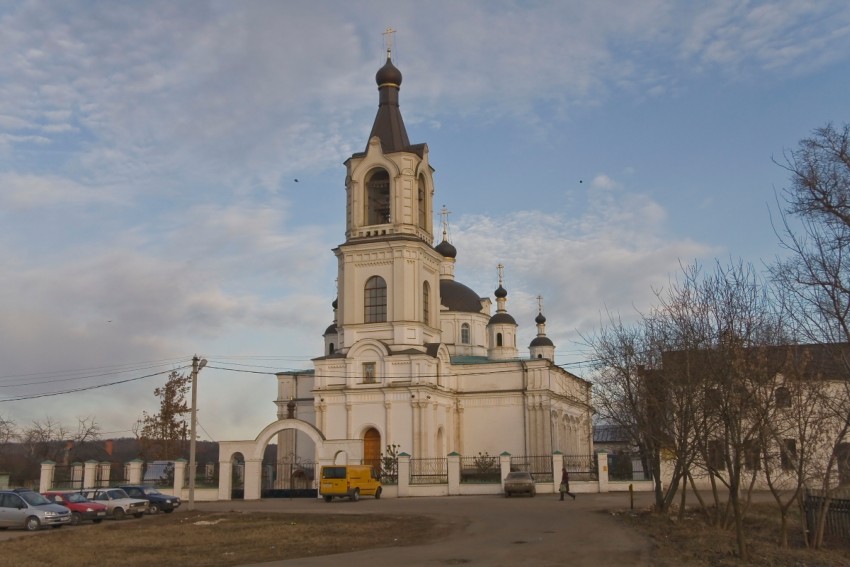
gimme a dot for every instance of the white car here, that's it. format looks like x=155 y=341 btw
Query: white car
x=118 y=504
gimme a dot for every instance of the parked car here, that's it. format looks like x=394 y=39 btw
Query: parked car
x=157 y=501
x=30 y=510
x=82 y=509
x=519 y=482
x=118 y=504
x=349 y=481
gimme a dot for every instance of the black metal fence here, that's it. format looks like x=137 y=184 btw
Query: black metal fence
x=483 y=469
x=540 y=466
x=581 y=467
x=626 y=466
x=837 y=516
x=429 y=471
x=68 y=477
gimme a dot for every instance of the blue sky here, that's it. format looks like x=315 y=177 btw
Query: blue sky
x=148 y=152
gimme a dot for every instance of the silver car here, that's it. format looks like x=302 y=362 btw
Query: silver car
x=30 y=510
x=519 y=483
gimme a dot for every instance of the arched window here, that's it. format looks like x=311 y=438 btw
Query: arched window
x=464 y=334
x=423 y=203
x=378 y=197
x=426 y=303
x=375 y=300
x=498 y=339
x=331 y=348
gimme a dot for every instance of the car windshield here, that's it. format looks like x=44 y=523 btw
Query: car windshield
x=151 y=491
x=116 y=493
x=74 y=497
x=34 y=498
x=518 y=476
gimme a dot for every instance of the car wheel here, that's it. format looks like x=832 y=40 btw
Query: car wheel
x=99 y=520
x=153 y=508
x=378 y=493
x=32 y=524
x=139 y=515
x=168 y=511
x=533 y=492
x=355 y=495
x=328 y=498
x=118 y=513
x=507 y=494
x=56 y=527
x=76 y=518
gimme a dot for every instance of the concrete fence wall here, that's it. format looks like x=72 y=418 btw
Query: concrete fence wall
x=96 y=475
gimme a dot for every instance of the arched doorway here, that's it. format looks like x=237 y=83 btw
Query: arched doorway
x=372 y=448
x=237 y=474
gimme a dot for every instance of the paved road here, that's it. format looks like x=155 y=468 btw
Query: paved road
x=491 y=530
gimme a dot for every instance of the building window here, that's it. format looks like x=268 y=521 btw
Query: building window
x=498 y=339
x=713 y=400
x=788 y=454
x=783 y=397
x=752 y=456
x=331 y=348
x=378 y=197
x=375 y=300
x=464 y=334
x=369 y=376
x=426 y=303
x=423 y=204
x=716 y=455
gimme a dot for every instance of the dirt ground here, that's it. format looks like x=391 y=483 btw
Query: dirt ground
x=592 y=530
x=694 y=541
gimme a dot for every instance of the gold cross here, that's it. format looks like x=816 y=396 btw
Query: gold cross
x=501 y=269
x=388 y=38
x=444 y=214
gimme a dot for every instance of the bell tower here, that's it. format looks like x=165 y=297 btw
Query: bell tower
x=389 y=272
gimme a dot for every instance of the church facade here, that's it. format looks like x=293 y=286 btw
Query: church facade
x=415 y=359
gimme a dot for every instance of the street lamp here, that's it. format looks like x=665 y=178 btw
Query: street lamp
x=197 y=364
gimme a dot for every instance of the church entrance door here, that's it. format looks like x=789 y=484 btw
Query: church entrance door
x=372 y=449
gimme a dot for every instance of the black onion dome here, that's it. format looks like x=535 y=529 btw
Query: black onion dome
x=542 y=341
x=446 y=249
x=501 y=292
x=458 y=297
x=331 y=330
x=502 y=318
x=388 y=74
x=540 y=319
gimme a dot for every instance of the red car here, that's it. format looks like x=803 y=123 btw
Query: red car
x=81 y=507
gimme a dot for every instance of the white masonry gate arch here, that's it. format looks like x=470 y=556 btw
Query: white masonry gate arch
x=253 y=450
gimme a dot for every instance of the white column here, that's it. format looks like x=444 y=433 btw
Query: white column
x=90 y=474
x=253 y=479
x=134 y=471
x=225 y=480
x=45 y=483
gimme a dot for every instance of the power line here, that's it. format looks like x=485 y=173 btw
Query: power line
x=95 y=387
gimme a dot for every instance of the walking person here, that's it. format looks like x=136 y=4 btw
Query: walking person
x=565 y=484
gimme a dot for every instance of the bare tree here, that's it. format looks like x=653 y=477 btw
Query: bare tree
x=8 y=432
x=815 y=276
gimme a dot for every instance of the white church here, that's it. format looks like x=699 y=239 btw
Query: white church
x=415 y=359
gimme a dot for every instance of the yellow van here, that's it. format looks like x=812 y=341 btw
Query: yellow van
x=349 y=481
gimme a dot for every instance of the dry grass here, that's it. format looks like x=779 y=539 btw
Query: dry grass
x=693 y=542
x=237 y=538
x=216 y=539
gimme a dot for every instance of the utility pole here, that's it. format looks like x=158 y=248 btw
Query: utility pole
x=197 y=364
